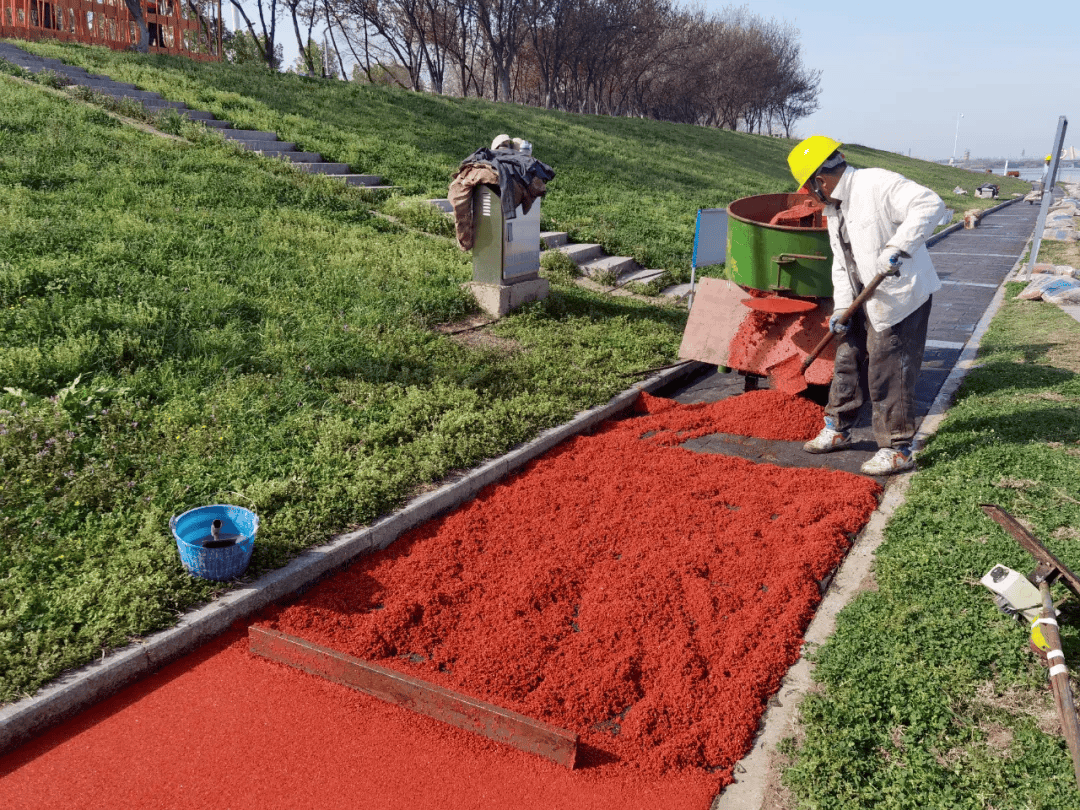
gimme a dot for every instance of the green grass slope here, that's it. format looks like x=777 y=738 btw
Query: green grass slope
x=631 y=185
x=184 y=324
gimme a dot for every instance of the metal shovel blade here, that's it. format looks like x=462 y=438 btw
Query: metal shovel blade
x=788 y=375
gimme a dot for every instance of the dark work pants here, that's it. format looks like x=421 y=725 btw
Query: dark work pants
x=882 y=367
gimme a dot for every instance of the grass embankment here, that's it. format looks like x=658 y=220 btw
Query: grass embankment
x=182 y=326
x=928 y=694
x=631 y=185
x=188 y=324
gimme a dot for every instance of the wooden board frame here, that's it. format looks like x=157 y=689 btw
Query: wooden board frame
x=461 y=711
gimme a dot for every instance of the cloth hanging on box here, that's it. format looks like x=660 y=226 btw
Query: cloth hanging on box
x=461 y=198
x=522 y=179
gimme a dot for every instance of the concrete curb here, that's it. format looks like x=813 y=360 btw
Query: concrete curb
x=753 y=773
x=78 y=689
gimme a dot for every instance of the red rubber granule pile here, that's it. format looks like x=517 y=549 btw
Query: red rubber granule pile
x=645 y=597
x=779 y=305
x=648 y=598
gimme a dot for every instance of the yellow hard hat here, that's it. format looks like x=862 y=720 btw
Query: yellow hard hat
x=1049 y=158
x=807 y=157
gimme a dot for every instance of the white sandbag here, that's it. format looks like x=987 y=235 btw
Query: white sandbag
x=1062 y=291
x=1034 y=290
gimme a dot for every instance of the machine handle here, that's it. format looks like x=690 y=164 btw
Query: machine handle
x=788 y=258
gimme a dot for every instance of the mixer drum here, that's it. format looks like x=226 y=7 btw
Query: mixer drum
x=794 y=260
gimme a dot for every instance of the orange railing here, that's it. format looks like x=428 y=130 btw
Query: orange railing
x=174 y=27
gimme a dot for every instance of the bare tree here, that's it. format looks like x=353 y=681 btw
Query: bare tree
x=269 y=29
x=502 y=25
x=799 y=99
x=730 y=68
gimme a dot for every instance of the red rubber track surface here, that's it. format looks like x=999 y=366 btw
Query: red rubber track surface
x=646 y=597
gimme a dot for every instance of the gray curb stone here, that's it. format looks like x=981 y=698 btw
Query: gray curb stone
x=79 y=689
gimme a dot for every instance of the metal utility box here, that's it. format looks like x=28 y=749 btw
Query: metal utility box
x=505 y=251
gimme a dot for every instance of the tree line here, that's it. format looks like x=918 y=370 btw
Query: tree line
x=644 y=58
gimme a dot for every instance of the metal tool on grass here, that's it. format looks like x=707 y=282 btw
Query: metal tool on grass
x=789 y=375
x=1047 y=570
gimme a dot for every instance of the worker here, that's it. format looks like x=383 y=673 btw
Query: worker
x=1046 y=172
x=878 y=222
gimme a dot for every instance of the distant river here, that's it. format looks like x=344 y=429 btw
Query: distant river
x=1063 y=175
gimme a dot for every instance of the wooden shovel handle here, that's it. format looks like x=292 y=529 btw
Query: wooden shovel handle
x=860 y=299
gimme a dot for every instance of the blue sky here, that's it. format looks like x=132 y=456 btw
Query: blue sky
x=898 y=75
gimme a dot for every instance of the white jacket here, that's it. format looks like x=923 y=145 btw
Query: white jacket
x=882 y=208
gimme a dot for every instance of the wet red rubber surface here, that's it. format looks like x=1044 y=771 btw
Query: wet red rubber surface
x=806 y=215
x=221 y=729
x=779 y=304
x=766 y=339
x=644 y=596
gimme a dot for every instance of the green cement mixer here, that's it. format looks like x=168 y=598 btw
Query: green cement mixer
x=787 y=259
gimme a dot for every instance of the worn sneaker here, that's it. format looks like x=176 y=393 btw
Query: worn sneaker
x=888 y=460
x=827 y=441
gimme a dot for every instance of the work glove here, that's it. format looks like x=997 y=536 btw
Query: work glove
x=890 y=260
x=836 y=327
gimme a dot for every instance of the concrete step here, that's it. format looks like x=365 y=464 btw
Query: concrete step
x=366 y=188
x=369 y=180
x=676 y=291
x=267 y=147
x=554 y=239
x=200 y=115
x=642 y=276
x=119 y=92
x=106 y=83
x=116 y=90
x=215 y=123
x=446 y=206
x=293 y=156
x=249 y=135
x=160 y=103
x=616 y=266
x=581 y=253
x=324 y=168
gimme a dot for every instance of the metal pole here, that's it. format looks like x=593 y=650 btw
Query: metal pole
x=956 y=140
x=1051 y=176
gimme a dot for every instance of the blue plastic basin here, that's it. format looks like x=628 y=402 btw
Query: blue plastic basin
x=219 y=564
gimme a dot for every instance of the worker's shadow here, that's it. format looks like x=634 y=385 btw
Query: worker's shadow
x=589 y=756
x=1010 y=375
